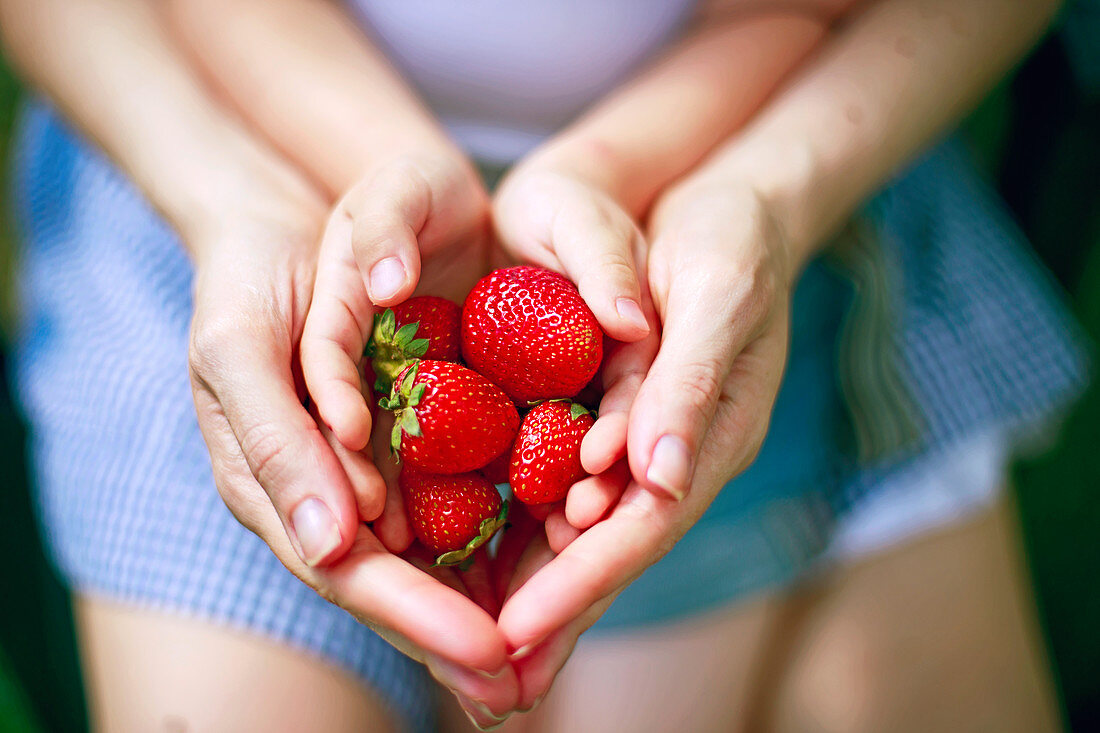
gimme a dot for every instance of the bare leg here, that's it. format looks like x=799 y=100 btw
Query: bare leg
x=934 y=635
x=937 y=635
x=148 y=671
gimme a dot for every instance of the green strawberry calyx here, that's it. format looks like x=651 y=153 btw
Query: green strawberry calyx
x=576 y=409
x=392 y=349
x=486 y=530
x=403 y=399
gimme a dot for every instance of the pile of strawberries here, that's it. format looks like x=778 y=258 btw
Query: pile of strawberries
x=483 y=396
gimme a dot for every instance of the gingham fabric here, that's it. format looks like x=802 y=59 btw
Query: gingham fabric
x=128 y=505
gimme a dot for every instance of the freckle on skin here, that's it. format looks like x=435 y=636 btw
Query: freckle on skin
x=906 y=46
x=853 y=114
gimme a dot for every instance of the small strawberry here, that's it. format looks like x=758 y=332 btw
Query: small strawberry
x=424 y=327
x=528 y=330
x=449 y=419
x=452 y=515
x=546 y=458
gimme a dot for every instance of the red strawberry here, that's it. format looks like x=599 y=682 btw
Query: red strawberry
x=528 y=330
x=452 y=515
x=546 y=459
x=424 y=327
x=449 y=419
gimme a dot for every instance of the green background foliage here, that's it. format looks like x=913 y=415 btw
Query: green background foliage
x=1037 y=137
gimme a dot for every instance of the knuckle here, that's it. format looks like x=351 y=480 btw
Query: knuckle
x=610 y=271
x=700 y=384
x=268 y=451
x=207 y=347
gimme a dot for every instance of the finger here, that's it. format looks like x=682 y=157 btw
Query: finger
x=249 y=377
x=411 y=205
x=413 y=611
x=337 y=327
x=598 y=563
x=487 y=700
x=624 y=369
x=392 y=527
x=385 y=590
x=540 y=667
x=710 y=311
x=477 y=580
x=559 y=532
x=366 y=481
x=591 y=498
x=556 y=222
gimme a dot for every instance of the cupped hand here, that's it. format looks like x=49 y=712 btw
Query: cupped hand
x=287 y=478
x=697 y=402
x=415 y=223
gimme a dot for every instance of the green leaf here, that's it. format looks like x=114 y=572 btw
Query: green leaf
x=418 y=347
x=388 y=324
x=409 y=422
x=395 y=437
x=405 y=334
x=576 y=410
x=417 y=394
x=410 y=377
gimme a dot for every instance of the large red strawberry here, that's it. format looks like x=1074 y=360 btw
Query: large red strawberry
x=449 y=419
x=546 y=458
x=424 y=327
x=528 y=330
x=452 y=515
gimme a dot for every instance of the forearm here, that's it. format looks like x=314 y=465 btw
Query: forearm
x=900 y=74
x=109 y=66
x=304 y=74
x=654 y=129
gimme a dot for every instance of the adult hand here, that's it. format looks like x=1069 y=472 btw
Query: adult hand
x=698 y=402
x=285 y=476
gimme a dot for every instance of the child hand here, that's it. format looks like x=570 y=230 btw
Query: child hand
x=414 y=222
x=563 y=223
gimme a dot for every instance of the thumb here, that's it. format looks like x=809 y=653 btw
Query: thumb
x=709 y=317
x=282 y=444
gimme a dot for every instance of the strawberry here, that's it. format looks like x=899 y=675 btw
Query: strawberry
x=546 y=458
x=449 y=419
x=528 y=330
x=452 y=515
x=424 y=327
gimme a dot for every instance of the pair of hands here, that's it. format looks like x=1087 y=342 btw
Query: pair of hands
x=687 y=402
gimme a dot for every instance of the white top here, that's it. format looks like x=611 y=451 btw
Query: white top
x=504 y=74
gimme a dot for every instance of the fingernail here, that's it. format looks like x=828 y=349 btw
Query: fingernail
x=474 y=707
x=315 y=527
x=670 y=466
x=631 y=312
x=534 y=704
x=386 y=278
x=451 y=674
x=523 y=651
